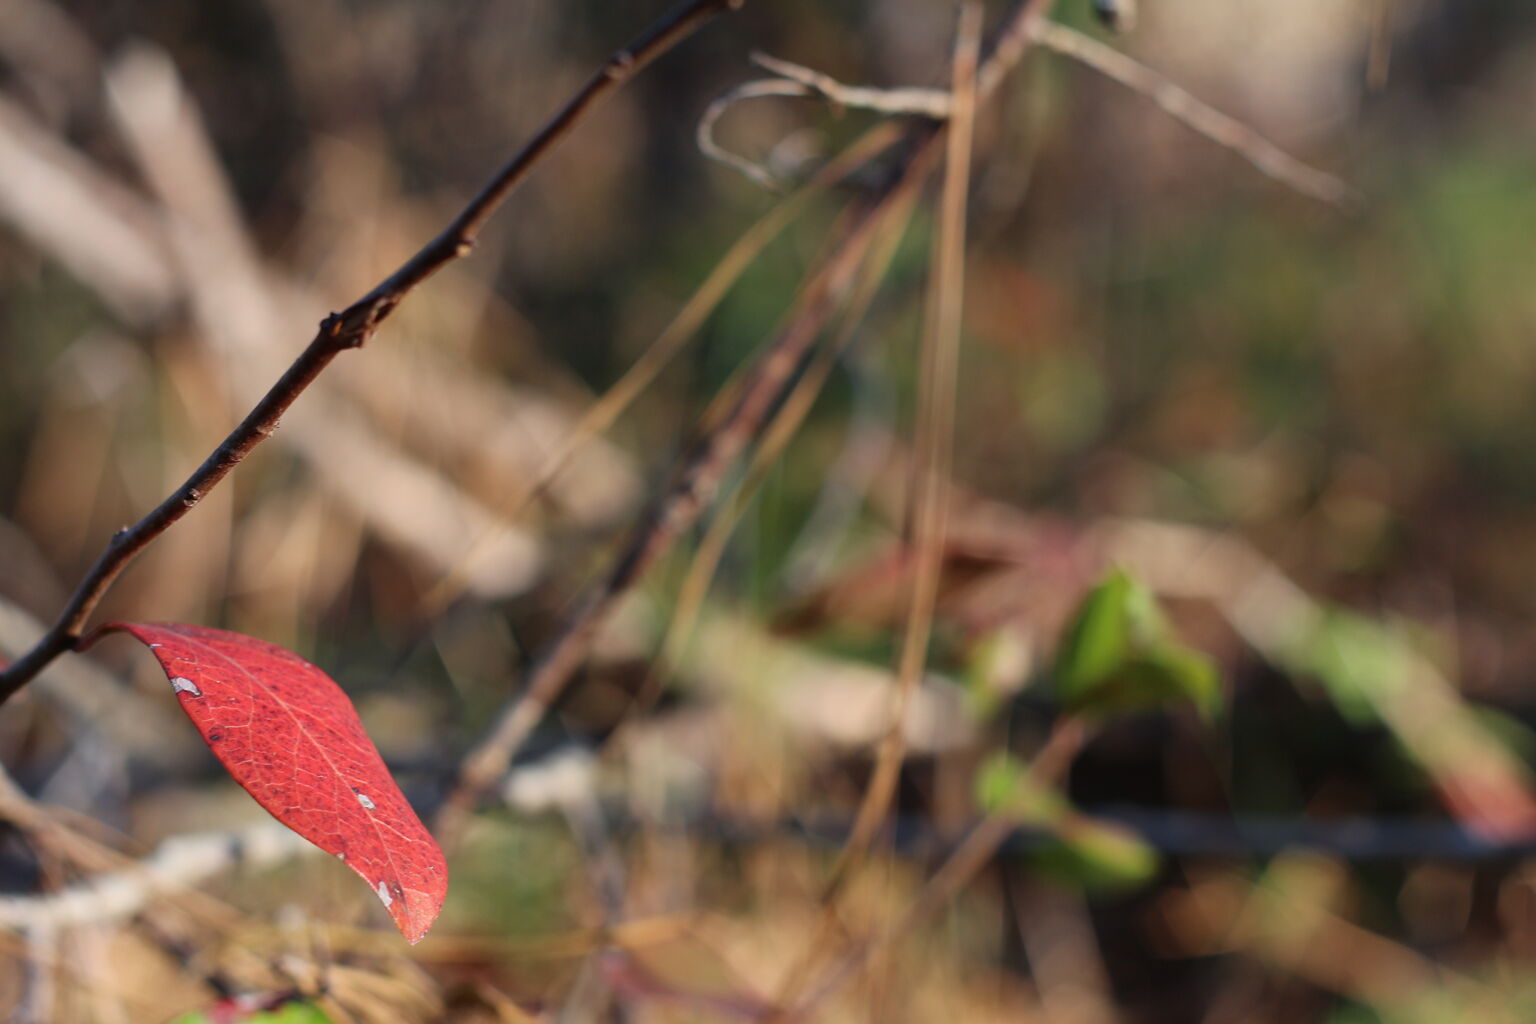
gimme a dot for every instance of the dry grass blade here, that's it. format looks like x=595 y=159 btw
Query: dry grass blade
x=781 y=430
x=680 y=506
x=974 y=853
x=673 y=339
x=96 y=228
x=934 y=431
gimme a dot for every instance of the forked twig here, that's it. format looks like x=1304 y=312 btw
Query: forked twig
x=935 y=104
x=351 y=329
x=1186 y=108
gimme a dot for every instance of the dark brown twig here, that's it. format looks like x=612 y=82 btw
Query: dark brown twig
x=702 y=470
x=679 y=507
x=351 y=329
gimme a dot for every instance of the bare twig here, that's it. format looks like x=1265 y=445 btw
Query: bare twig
x=351 y=329
x=1222 y=129
x=936 y=104
x=710 y=146
x=680 y=506
x=779 y=432
x=685 y=325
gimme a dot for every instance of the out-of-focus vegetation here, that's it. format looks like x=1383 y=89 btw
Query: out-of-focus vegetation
x=1282 y=440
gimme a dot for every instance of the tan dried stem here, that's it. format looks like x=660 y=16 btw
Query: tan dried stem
x=780 y=431
x=679 y=507
x=934 y=441
x=969 y=858
x=674 y=337
x=703 y=468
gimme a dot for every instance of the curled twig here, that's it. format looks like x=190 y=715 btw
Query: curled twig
x=936 y=104
x=710 y=147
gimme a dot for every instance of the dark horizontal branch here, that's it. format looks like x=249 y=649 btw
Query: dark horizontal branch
x=350 y=329
x=1172 y=833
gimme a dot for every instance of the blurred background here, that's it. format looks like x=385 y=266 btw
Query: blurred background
x=1303 y=429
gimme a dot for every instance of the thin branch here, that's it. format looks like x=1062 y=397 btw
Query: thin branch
x=679 y=507
x=935 y=104
x=1223 y=129
x=674 y=337
x=351 y=329
x=710 y=146
x=701 y=472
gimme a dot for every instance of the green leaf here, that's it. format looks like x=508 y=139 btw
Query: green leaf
x=1160 y=677
x=1119 y=654
x=1097 y=854
x=1096 y=640
x=1005 y=785
x=287 y=1013
x=1358 y=660
x=1080 y=851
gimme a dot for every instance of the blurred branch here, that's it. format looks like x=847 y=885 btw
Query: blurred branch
x=700 y=474
x=779 y=431
x=350 y=329
x=92 y=225
x=1479 y=777
x=936 y=104
x=177 y=864
x=694 y=487
x=685 y=325
x=1223 y=129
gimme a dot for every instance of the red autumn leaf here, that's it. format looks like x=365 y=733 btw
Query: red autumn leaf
x=291 y=738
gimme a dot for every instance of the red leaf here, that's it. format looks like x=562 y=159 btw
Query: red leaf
x=291 y=738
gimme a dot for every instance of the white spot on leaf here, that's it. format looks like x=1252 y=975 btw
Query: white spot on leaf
x=362 y=798
x=384 y=895
x=181 y=684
